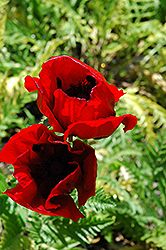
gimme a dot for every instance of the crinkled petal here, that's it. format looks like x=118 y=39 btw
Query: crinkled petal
x=24 y=140
x=61 y=205
x=47 y=111
x=115 y=91
x=21 y=142
x=68 y=184
x=26 y=190
x=59 y=199
x=22 y=195
x=31 y=83
x=18 y=195
x=107 y=93
x=100 y=128
x=66 y=207
x=26 y=193
x=74 y=61
x=67 y=109
x=86 y=187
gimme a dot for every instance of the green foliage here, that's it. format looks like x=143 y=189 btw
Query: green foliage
x=151 y=116
x=134 y=173
x=162 y=11
x=3 y=14
x=13 y=97
x=3 y=184
x=158 y=236
x=61 y=232
x=100 y=202
x=13 y=235
x=124 y=40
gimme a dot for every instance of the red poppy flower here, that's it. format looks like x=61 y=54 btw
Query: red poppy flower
x=77 y=99
x=48 y=170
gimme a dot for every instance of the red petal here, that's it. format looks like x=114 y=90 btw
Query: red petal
x=59 y=199
x=67 y=109
x=46 y=110
x=74 y=61
x=66 y=207
x=86 y=187
x=31 y=83
x=116 y=92
x=62 y=205
x=26 y=190
x=71 y=109
x=21 y=142
x=67 y=185
x=17 y=194
x=107 y=93
x=100 y=128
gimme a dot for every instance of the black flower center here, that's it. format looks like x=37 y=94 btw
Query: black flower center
x=80 y=90
x=53 y=167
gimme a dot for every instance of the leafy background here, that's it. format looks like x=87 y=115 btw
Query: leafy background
x=126 y=41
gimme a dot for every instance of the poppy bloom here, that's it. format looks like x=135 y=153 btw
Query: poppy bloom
x=48 y=170
x=77 y=99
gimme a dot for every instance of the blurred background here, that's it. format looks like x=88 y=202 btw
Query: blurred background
x=126 y=41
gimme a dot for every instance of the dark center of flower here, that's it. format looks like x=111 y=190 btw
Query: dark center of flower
x=80 y=90
x=59 y=83
x=53 y=167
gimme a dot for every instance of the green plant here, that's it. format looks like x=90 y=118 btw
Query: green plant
x=125 y=40
x=13 y=97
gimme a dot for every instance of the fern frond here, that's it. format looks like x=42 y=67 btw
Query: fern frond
x=13 y=237
x=60 y=232
x=100 y=202
x=150 y=114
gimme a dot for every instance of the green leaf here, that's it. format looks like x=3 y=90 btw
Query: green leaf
x=13 y=237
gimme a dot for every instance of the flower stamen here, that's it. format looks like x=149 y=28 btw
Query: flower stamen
x=82 y=89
